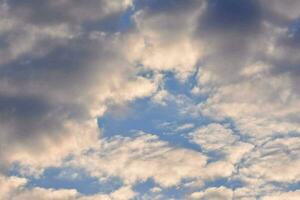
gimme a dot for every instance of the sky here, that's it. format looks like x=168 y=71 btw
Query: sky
x=149 y=100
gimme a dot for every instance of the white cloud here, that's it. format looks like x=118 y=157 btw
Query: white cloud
x=127 y=158
x=220 y=193
x=213 y=137
x=123 y=193
x=45 y=194
x=162 y=44
x=8 y=185
x=218 y=138
x=161 y=97
x=293 y=195
x=272 y=158
x=14 y=188
x=61 y=67
x=67 y=80
x=259 y=107
x=184 y=127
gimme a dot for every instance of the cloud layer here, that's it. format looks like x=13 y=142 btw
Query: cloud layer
x=227 y=72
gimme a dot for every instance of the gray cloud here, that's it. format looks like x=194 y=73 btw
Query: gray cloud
x=61 y=65
x=238 y=33
x=50 y=12
x=56 y=77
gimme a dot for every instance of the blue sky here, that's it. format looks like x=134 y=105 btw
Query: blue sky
x=149 y=99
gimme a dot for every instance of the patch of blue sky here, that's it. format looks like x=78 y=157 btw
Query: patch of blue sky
x=293 y=186
x=294 y=27
x=286 y=186
x=60 y=178
x=163 y=120
x=149 y=117
x=178 y=87
x=225 y=182
x=176 y=192
x=144 y=187
x=214 y=156
x=173 y=85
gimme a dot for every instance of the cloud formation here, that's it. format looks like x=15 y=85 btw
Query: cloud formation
x=64 y=65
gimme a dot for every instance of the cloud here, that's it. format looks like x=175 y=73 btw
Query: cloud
x=65 y=63
x=213 y=137
x=45 y=194
x=127 y=158
x=239 y=45
x=273 y=156
x=284 y=195
x=123 y=193
x=161 y=43
x=217 y=138
x=49 y=12
x=248 y=73
x=262 y=106
x=261 y=168
x=8 y=185
x=70 y=88
x=220 y=193
x=184 y=127
x=14 y=188
x=56 y=77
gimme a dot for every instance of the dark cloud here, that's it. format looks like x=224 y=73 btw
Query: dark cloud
x=66 y=11
x=231 y=15
x=235 y=34
x=285 y=60
x=43 y=93
x=280 y=12
x=229 y=32
x=52 y=75
x=167 y=6
x=27 y=117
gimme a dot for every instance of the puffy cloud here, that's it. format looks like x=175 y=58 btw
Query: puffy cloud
x=281 y=13
x=261 y=169
x=241 y=47
x=248 y=72
x=283 y=195
x=56 y=78
x=220 y=193
x=271 y=158
x=14 y=188
x=123 y=193
x=161 y=43
x=49 y=12
x=8 y=185
x=217 y=138
x=62 y=65
x=69 y=89
x=213 y=137
x=45 y=194
x=260 y=107
x=128 y=158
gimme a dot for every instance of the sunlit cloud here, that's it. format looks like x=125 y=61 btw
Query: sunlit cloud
x=149 y=99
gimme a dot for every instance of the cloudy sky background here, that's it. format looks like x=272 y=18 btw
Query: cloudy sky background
x=149 y=99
